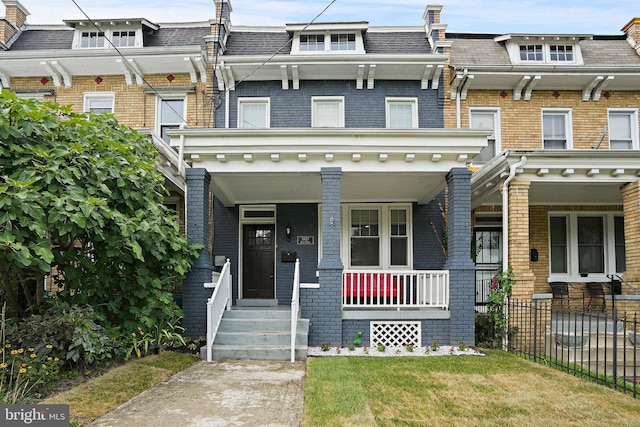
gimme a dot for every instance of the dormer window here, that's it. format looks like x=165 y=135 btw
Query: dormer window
x=117 y=33
x=343 y=42
x=543 y=49
x=561 y=53
x=327 y=38
x=312 y=42
x=90 y=39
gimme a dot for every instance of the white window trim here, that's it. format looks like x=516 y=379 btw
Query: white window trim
x=169 y=97
x=399 y=100
x=497 y=120
x=567 y=112
x=384 y=210
x=573 y=274
x=108 y=34
x=250 y=100
x=332 y=99
x=513 y=48
x=295 y=45
x=633 y=113
x=90 y=96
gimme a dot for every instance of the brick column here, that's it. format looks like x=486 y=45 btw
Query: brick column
x=194 y=294
x=459 y=263
x=523 y=288
x=324 y=309
x=631 y=207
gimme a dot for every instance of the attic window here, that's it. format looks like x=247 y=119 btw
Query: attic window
x=544 y=49
x=89 y=39
x=312 y=42
x=328 y=39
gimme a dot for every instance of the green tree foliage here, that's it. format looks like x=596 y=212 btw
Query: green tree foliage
x=81 y=192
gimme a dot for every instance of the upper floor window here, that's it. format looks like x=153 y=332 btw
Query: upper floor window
x=100 y=102
x=116 y=33
x=253 y=113
x=402 y=112
x=328 y=38
x=92 y=39
x=343 y=42
x=486 y=119
x=561 y=53
x=531 y=52
x=543 y=49
x=312 y=42
x=327 y=111
x=556 y=129
x=170 y=113
x=623 y=129
x=123 y=38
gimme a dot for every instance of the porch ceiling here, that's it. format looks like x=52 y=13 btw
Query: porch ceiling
x=559 y=176
x=283 y=165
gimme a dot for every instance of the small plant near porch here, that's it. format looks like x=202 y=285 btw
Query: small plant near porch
x=499 y=295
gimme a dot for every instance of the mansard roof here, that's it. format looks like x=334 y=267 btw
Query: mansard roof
x=483 y=49
x=247 y=42
x=61 y=37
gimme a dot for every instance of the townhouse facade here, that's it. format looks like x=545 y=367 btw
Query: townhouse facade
x=400 y=165
x=555 y=192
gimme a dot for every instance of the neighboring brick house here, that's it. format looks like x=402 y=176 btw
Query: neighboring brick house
x=563 y=109
x=72 y=63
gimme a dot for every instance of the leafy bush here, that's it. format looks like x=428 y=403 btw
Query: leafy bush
x=75 y=332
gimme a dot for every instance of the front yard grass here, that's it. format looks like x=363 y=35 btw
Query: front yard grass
x=97 y=396
x=501 y=389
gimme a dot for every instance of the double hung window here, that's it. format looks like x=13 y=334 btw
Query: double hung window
x=486 y=119
x=623 y=129
x=327 y=112
x=402 y=113
x=253 y=113
x=556 y=129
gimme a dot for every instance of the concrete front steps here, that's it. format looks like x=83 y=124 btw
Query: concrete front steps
x=259 y=333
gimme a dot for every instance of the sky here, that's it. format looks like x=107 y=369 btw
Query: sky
x=477 y=16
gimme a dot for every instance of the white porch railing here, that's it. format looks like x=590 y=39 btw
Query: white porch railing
x=295 y=308
x=216 y=305
x=395 y=289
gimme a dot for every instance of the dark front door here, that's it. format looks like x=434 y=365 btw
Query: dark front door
x=258 y=261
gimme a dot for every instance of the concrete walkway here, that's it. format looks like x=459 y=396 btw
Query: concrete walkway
x=227 y=393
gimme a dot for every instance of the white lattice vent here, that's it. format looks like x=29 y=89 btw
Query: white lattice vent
x=396 y=334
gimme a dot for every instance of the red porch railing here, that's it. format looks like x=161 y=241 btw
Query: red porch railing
x=395 y=289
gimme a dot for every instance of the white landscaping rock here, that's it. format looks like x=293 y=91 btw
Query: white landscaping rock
x=444 y=350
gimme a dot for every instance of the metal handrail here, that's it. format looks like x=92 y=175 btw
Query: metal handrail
x=295 y=308
x=216 y=305
x=617 y=277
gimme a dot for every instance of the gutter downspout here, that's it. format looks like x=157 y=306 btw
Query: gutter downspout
x=181 y=153
x=458 y=92
x=505 y=234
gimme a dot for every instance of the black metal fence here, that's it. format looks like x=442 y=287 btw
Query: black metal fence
x=600 y=347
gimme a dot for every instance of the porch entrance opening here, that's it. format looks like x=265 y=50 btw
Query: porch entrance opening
x=258 y=256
